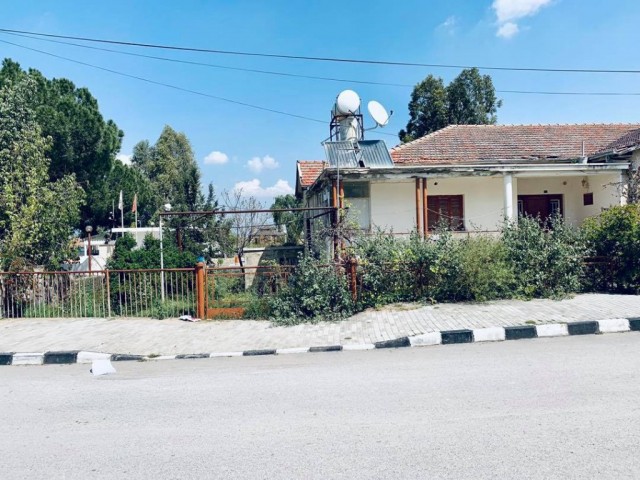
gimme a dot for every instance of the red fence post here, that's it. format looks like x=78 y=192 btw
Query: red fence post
x=200 y=290
x=353 y=277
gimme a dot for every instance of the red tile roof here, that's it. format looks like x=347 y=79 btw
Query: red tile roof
x=628 y=141
x=467 y=144
x=308 y=171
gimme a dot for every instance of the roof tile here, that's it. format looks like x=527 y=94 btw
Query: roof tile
x=466 y=144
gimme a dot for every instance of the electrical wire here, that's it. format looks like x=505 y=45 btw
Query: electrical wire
x=167 y=85
x=323 y=59
x=308 y=77
x=175 y=87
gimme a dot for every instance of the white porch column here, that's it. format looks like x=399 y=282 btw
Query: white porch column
x=509 y=212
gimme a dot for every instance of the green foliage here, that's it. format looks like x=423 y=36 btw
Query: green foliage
x=615 y=236
x=171 y=168
x=292 y=221
x=127 y=257
x=36 y=215
x=470 y=99
x=131 y=181
x=548 y=261
x=314 y=292
x=83 y=144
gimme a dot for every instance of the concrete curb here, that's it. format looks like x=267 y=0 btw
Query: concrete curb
x=447 y=337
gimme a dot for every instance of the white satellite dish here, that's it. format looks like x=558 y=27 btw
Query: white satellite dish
x=348 y=102
x=378 y=112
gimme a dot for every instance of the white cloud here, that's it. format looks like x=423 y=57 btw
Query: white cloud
x=216 y=158
x=254 y=188
x=125 y=159
x=449 y=24
x=508 y=30
x=508 y=11
x=257 y=164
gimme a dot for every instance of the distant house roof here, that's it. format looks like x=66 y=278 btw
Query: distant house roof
x=628 y=141
x=308 y=171
x=468 y=144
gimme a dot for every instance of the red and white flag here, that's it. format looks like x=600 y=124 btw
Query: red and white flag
x=134 y=208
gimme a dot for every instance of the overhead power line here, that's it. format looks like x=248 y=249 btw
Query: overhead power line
x=322 y=59
x=175 y=87
x=310 y=77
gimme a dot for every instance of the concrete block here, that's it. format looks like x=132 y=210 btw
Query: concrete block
x=286 y=351
x=426 y=339
x=456 y=336
x=520 y=332
x=613 y=325
x=60 y=357
x=395 y=343
x=552 y=330
x=5 y=358
x=27 y=359
x=88 y=357
x=226 y=354
x=359 y=346
x=582 y=328
x=254 y=353
x=328 y=348
x=491 y=334
x=125 y=357
x=192 y=355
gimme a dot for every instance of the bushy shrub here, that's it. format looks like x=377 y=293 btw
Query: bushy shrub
x=314 y=292
x=383 y=274
x=548 y=260
x=615 y=236
x=484 y=272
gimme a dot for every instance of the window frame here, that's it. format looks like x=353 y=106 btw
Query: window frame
x=432 y=225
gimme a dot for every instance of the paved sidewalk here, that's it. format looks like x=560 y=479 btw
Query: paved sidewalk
x=170 y=337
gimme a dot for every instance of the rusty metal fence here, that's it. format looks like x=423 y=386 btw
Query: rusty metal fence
x=104 y=293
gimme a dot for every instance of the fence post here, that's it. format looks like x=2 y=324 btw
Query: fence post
x=106 y=273
x=200 y=290
x=353 y=278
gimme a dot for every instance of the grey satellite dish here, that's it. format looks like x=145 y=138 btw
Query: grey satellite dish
x=378 y=112
x=348 y=102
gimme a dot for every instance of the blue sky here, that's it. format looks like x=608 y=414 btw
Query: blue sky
x=261 y=148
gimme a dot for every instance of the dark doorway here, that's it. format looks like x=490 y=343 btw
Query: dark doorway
x=542 y=206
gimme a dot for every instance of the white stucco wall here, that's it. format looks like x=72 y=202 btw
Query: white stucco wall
x=605 y=189
x=393 y=206
x=483 y=199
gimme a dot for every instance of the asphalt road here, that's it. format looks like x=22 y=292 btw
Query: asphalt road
x=544 y=408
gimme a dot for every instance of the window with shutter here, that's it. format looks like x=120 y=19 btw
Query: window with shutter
x=445 y=210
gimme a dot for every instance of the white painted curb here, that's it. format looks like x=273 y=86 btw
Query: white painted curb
x=89 y=357
x=27 y=359
x=426 y=339
x=613 y=325
x=285 y=351
x=552 y=330
x=161 y=357
x=490 y=334
x=359 y=346
x=225 y=354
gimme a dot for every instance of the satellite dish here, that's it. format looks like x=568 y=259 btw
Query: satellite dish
x=348 y=102
x=378 y=112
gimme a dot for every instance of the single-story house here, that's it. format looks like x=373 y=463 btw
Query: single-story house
x=474 y=176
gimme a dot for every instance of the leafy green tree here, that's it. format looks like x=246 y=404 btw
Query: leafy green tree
x=172 y=169
x=427 y=109
x=83 y=143
x=36 y=215
x=292 y=221
x=126 y=256
x=131 y=181
x=470 y=99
